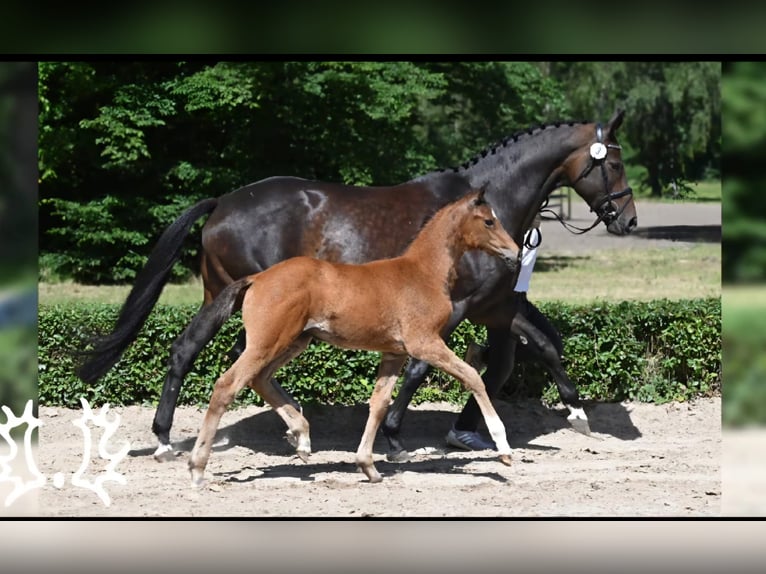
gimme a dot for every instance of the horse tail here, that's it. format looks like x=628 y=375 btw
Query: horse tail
x=144 y=295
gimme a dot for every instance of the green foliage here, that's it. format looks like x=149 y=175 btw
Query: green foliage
x=744 y=339
x=131 y=144
x=672 y=127
x=17 y=366
x=744 y=230
x=654 y=351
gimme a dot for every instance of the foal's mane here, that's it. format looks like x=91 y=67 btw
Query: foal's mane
x=513 y=138
x=449 y=207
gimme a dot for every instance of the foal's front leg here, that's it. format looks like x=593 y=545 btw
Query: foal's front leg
x=388 y=372
x=438 y=354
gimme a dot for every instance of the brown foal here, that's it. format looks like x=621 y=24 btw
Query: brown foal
x=396 y=306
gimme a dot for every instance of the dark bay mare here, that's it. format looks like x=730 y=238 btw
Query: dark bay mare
x=397 y=306
x=261 y=224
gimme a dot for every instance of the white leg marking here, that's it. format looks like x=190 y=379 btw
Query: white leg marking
x=497 y=431
x=164 y=452
x=576 y=414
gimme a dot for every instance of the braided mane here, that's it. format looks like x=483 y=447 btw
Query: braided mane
x=492 y=148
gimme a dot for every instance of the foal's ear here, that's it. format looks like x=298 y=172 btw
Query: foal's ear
x=480 y=198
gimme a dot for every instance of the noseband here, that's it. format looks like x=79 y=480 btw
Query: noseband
x=605 y=209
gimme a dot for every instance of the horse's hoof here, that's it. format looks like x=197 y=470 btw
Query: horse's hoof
x=399 y=456
x=579 y=420
x=165 y=453
x=580 y=426
x=505 y=459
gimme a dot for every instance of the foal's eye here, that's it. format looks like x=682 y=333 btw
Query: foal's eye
x=489 y=222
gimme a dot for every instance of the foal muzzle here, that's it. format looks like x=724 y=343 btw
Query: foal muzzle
x=510 y=258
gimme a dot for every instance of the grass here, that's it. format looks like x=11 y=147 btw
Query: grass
x=617 y=275
x=707 y=191
x=614 y=275
x=70 y=292
x=703 y=191
x=743 y=317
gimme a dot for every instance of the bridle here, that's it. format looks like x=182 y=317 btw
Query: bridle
x=605 y=209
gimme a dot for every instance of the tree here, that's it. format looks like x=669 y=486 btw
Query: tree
x=744 y=229
x=672 y=127
x=124 y=147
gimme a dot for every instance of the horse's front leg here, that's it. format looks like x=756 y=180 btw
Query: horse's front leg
x=539 y=336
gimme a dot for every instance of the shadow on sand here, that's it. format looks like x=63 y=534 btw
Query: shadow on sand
x=339 y=428
x=689 y=233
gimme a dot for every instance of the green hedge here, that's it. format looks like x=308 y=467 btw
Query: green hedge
x=647 y=351
x=744 y=339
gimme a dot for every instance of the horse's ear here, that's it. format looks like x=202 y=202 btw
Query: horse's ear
x=615 y=121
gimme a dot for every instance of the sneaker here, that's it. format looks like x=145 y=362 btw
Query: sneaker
x=468 y=440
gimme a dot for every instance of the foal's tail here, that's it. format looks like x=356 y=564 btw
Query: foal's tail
x=144 y=295
x=210 y=318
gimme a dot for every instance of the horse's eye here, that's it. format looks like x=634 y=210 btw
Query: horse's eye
x=489 y=222
x=615 y=165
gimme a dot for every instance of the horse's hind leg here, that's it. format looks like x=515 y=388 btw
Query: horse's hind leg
x=388 y=372
x=442 y=357
x=414 y=375
x=183 y=353
x=239 y=346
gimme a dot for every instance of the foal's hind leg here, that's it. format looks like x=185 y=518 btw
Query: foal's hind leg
x=442 y=357
x=282 y=403
x=388 y=372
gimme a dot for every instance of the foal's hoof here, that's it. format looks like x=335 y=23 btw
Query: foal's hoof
x=303 y=455
x=398 y=456
x=372 y=473
x=291 y=438
x=165 y=453
x=198 y=480
x=505 y=459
